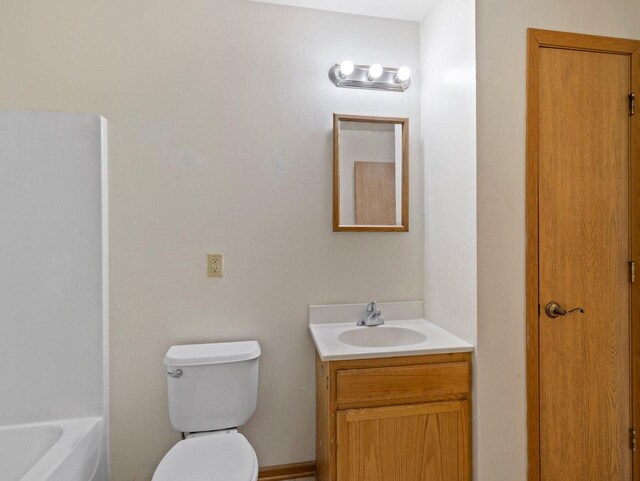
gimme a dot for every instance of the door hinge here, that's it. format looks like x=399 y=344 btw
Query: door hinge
x=632 y=104
x=633 y=441
x=632 y=272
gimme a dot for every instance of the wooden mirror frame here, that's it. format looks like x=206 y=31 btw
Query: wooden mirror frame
x=337 y=227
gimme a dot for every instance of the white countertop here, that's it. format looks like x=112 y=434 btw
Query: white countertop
x=331 y=325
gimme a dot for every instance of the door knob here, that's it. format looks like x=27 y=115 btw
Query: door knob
x=554 y=310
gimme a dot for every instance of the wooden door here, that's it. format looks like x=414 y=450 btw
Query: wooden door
x=404 y=443
x=375 y=193
x=583 y=377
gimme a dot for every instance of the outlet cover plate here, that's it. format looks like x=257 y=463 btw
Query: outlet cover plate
x=214 y=265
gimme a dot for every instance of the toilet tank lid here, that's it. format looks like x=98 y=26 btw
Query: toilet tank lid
x=215 y=353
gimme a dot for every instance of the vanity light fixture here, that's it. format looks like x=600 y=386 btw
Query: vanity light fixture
x=375 y=77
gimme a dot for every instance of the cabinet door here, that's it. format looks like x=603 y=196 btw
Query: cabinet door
x=419 y=442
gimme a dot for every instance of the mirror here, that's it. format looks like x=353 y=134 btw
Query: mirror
x=370 y=174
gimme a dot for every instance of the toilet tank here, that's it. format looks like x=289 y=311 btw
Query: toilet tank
x=212 y=386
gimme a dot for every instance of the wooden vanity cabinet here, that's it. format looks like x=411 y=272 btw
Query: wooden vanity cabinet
x=394 y=419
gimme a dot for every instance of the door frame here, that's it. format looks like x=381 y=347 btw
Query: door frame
x=538 y=39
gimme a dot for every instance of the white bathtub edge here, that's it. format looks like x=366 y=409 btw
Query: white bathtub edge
x=74 y=432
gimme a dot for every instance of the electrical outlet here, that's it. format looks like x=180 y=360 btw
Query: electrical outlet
x=214 y=265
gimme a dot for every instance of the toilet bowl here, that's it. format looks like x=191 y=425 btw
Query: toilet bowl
x=226 y=456
x=212 y=389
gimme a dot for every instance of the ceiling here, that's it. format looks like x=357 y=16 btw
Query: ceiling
x=399 y=9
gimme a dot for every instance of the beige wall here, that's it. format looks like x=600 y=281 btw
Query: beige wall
x=220 y=114
x=448 y=72
x=448 y=67
x=501 y=37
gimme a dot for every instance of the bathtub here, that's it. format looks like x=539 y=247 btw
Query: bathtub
x=52 y=451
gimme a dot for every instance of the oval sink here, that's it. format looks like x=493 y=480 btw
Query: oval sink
x=381 y=336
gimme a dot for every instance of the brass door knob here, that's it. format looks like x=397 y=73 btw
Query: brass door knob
x=554 y=310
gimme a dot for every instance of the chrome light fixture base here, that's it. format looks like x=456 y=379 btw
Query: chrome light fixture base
x=359 y=79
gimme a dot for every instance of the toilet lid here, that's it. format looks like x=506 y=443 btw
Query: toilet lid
x=216 y=457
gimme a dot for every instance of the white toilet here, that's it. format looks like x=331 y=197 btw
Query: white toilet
x=213 y=388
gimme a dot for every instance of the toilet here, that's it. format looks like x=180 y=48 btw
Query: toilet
x=213 y=389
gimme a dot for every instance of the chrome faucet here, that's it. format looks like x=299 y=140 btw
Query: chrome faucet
x=374 y=316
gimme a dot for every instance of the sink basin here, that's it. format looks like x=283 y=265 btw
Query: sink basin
x=381 y=336
x=404 y=333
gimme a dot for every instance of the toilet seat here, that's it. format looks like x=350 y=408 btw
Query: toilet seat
x=225 y=456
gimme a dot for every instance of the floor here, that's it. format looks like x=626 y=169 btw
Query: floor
x=304 y=479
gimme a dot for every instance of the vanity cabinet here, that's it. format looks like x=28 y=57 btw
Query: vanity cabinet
x=394 y=419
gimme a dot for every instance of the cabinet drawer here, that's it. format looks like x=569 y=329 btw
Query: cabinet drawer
x=397 y=383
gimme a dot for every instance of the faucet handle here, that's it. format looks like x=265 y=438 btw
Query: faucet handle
x=372 y=306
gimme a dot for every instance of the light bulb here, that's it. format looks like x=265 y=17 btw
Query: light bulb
x=375 y=71
x=346 y=68
x=404 y=74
